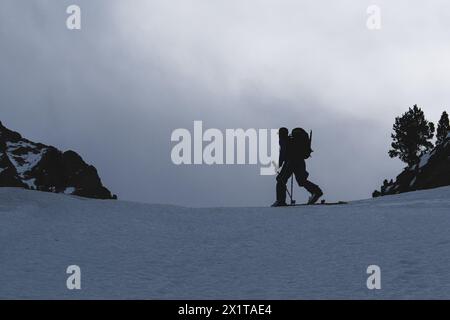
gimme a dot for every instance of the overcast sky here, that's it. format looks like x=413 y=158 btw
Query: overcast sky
x=116 y=89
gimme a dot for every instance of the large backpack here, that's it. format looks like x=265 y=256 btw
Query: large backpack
x=301 y=144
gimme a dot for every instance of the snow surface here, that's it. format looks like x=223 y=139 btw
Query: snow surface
x=132 y=250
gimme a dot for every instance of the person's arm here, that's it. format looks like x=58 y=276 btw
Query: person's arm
x=282 y=157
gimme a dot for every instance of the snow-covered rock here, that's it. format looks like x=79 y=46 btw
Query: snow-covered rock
x=36 y=166
x=432 y=171
x=131 y=250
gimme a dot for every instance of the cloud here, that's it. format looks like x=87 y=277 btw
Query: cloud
x=116 y=89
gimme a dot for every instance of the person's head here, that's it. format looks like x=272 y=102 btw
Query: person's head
x=283 y=132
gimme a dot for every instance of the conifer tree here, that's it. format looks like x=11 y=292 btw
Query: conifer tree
x=411 y=136
x=443 y=128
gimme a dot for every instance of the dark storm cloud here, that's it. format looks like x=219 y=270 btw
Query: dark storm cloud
x=115 y=90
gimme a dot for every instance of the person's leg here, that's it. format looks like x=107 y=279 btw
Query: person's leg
x=311 y=187
x=282 y=179
x=315 y=191
x=301 y=175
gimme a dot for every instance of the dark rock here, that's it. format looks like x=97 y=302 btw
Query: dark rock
x=432 y=171
x=36 y=166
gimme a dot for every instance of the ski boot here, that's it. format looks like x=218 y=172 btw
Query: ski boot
x=314 y=197
x=279 y=204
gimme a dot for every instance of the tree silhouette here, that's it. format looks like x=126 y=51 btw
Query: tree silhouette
x=411 y=136
x=443 y=128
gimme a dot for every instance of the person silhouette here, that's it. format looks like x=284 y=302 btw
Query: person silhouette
x=294 y=149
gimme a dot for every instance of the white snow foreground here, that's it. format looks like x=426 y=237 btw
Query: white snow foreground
x=131 y=250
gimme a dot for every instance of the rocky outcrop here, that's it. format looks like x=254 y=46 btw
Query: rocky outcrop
x=432 y=171
x=36 y=166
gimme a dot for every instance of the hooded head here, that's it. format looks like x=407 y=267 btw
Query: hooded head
x=283 y=132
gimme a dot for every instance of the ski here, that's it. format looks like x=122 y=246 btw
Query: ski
x=319 y=204
x=314 y=204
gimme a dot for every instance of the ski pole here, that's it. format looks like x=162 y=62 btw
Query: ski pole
x=287 y=190
x=292 y=182
x=292 y=191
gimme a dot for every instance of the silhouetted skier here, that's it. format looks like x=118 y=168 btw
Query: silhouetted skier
x=298 y=148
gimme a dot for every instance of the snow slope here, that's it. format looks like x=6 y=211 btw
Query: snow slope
x=132 y=250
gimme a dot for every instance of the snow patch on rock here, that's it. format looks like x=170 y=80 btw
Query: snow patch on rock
x=424 y=160
x=69 y=190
